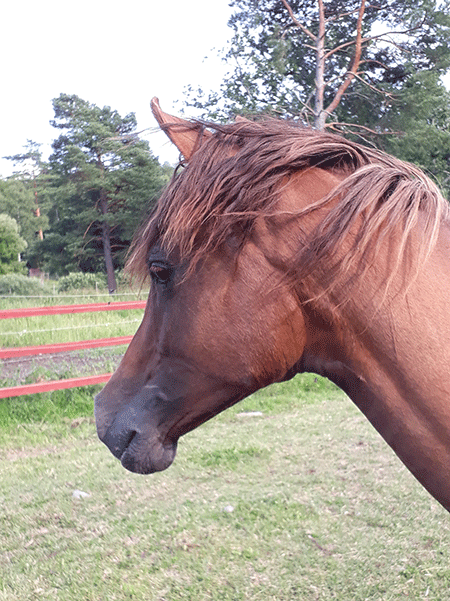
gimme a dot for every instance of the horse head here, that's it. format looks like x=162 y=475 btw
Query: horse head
x=216 y=327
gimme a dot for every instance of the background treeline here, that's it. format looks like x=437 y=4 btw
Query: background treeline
x=79 y=210
x=373 y=72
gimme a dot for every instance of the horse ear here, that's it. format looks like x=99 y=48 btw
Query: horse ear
x=185 y=135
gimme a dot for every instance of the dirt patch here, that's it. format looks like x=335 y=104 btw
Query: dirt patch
x=26 y=370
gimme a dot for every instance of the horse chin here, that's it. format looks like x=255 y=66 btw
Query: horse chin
x=141 y=458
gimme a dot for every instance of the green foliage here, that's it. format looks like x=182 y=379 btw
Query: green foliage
x=50 y=408
x=21 y=285
x=273 y=60
x=79 y=280
x=421 y=115
x=397 y=96
x=20 y=197
x=101 y=181
x=17 y=200
x=11 y=245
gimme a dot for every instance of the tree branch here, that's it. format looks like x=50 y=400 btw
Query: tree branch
x=335 y=125
x=351 y=12
x=372 y=87
x=297 y=22
x=345 y=45
x=283 y=36
x=379 y=36
x=356 y=60
x=320 y=115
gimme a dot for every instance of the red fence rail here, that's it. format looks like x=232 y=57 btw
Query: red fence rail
x=64 y=309
x=52 y=385
x=45 y=349
x=6 y=353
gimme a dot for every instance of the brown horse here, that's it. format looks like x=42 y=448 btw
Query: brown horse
x=277 y=250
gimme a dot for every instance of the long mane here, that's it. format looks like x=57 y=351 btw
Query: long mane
x=237 y=175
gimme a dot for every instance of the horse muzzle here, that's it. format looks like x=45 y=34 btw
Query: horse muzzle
x=132 y=438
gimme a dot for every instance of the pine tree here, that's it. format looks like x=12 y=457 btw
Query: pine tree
x=101 y=181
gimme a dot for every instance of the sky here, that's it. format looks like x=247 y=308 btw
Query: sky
x=114 y=53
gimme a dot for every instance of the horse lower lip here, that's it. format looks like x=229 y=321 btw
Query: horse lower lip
x=141 y=457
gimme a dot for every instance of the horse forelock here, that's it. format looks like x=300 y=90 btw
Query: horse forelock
x=236 y=176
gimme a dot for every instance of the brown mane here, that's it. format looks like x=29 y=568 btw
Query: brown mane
x=236 y=176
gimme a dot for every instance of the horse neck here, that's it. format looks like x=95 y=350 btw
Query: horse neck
x=393 y=361
x=406 y=328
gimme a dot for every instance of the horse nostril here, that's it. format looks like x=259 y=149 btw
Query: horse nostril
x=118 y=441
x=126 y=441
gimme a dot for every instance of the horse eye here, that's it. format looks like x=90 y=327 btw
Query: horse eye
x=160 y=273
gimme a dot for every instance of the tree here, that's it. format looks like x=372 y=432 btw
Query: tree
x=31 y=163
x=101 y=181
x=421 y=115
x=328 y=61
x=11 y=245
x=17 y=199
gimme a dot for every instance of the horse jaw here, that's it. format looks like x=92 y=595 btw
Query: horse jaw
x=186 y=135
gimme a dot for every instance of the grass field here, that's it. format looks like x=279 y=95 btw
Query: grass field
x=27 y=331
x=48 y=329
x=304 y=501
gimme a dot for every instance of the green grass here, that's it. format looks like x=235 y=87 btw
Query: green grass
x=50 y=296
x=48 y=329
x=31 y=331
x=302 y=502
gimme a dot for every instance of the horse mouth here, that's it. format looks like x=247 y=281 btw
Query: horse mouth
x=144 y=457
x=141 y=451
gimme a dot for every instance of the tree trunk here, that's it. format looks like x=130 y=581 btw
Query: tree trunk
x=320 y=112
x=106 y=241
x=353 y=69
x=320 y=115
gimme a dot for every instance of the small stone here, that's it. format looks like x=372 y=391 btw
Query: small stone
x=79 y=494
x=228 y=508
